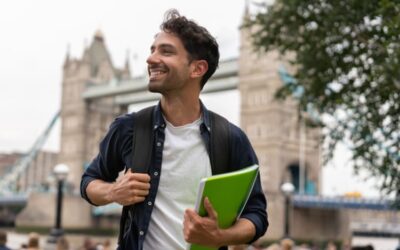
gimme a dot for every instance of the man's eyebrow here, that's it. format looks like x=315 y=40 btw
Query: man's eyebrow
x=163 y=46
x=167 y=46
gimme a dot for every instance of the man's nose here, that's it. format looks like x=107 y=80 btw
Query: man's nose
x=153 y=58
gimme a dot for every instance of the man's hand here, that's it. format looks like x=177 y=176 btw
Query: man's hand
x=130 y=189
x=202 y=230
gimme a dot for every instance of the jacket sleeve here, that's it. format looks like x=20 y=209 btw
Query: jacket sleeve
x=114 y=150
x=243 y=155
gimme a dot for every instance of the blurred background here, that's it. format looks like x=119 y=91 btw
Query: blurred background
x=68 y=68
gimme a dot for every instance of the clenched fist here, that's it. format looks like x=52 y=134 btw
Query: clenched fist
x=132 y=188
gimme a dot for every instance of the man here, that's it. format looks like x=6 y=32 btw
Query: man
x=183 y=57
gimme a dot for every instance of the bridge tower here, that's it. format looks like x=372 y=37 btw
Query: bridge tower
x=84 y=123
x=273 y=128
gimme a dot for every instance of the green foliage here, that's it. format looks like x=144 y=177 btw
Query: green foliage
x=347 y=56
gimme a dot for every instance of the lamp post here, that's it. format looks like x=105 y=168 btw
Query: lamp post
x=60 y=171
x=287 y=189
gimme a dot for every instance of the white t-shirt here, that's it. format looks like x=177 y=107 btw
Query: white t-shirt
x=185 y=162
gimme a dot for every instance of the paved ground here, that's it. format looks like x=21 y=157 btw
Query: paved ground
x=15 y=240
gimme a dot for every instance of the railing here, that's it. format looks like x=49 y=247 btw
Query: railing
x=314 y=201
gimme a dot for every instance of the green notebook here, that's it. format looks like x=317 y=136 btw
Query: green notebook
x=228 y=193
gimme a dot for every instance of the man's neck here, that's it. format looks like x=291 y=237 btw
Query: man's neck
x=181 y=111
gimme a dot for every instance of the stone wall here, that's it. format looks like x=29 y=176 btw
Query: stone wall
x=273 y=128
x=41 y=209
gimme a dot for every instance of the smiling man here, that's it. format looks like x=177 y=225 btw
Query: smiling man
x=182 y=58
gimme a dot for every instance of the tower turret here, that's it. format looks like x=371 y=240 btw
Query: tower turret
x=67 y=57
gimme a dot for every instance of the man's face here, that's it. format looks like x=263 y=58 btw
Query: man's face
x=168 y=64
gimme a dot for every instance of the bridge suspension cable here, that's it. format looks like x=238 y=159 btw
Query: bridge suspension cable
x=9 y=180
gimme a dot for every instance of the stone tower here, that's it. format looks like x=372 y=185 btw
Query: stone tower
x=84 y=123
x=274 y=130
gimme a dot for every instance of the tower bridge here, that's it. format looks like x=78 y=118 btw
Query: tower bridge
x=94 y=92
x=134 y=90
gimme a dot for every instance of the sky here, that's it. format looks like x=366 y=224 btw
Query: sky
x=35 y=37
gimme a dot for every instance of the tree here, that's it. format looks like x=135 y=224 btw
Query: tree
x=347 y=60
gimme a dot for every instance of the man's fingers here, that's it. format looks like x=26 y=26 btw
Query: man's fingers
x=142 y=177
x=138 y=176
x=139 y=192
x=209 y=208
x=186 y=221
x=201 y=230
x=133 y=200
x=131 y=188
x=140 y=185
x=192 y=216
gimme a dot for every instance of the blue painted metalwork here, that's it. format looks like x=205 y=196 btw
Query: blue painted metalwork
x=313 y=201
x=15 y=200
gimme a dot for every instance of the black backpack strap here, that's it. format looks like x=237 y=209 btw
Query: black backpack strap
x=143 y=140
x=142 y=149
x=220 y=145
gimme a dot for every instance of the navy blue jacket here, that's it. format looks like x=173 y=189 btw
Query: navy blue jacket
x=116 y=154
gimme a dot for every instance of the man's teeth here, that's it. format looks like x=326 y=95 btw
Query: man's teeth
x=156 y=73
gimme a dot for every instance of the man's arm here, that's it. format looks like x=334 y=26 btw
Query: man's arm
x=130 y=189
x=99 y=184
x=205 y=230
x=243 y=155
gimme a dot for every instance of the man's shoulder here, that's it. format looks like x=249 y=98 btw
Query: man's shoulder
x=236 y=134
x=235 y=131
x=125 y=120
x=121 y=126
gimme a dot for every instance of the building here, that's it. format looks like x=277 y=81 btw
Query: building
x=7 y=160
x=38 y=173
x=273 y=127
x=84 y=124
x=288 y=151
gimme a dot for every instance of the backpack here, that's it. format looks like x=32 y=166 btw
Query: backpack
x=143 y=135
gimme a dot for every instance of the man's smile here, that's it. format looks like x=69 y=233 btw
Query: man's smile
x=157 y=72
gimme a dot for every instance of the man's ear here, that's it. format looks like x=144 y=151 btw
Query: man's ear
x=200 y=67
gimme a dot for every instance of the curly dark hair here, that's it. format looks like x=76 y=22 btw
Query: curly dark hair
x=198 y=42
